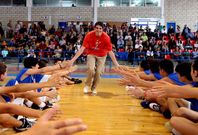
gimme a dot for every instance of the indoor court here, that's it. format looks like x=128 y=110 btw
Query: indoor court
x=111 y=112
x=92 y=54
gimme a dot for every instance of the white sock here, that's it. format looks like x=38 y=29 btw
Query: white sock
x=43 y=99
x=29 y=103
x=20 y=117
x=42 y=105
x=175 y=132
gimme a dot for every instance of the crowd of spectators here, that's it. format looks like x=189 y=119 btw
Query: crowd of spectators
x=134 y=41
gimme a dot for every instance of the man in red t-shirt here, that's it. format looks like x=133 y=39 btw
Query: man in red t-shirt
x=97 y=44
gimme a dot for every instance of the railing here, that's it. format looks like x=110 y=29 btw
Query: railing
x=133 y=58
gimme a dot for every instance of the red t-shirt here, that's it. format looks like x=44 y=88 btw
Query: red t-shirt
x=96 y=45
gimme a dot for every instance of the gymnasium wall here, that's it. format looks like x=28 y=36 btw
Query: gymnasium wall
x=182 y=12
x=124 y=14
x=112 y=14
x=58 y=14
x=13 y=13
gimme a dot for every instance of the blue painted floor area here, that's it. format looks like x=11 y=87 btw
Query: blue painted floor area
x=82 y=75
x=103 y=76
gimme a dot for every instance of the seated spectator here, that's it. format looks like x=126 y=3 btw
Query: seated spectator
x=128 y=41
x=120 y=43
x=149 y=53
x=57 y=52
x=4 y=53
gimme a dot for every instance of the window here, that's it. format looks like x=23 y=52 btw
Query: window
x=68 y=3
x=5 y=2
x=54 y=3
x=109 y=3
x=152 y=2
x=62 y=3
x=19 y=2
x=83 y=3
x=137 y=3
x=125 y=2
x=39 y=2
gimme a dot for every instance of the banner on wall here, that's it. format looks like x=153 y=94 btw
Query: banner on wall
x=62 y=25
x=169 y=24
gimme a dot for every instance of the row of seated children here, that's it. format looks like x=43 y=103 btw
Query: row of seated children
x=150 y=85
x=21 y=95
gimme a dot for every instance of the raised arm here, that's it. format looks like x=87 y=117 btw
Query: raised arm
x=30 y=95
x=77 y=55
x=146 y=77
x=47 y=69
x=54 y=82
x=175 y=91
x=130 y=79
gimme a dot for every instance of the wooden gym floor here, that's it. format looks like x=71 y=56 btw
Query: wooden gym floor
x=111 y=112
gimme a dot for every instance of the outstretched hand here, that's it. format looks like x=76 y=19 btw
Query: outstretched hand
x=121 y=68
x=65 y=72
x=70 y=63
x=56 y=81
x=62 y=127
x=164 y=90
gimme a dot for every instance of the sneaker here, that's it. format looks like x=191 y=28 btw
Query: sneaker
x=35 y=106
x=25 y=125
x=47 y=106
x=129 y=86
x=86 y=89
x=76 y=81
x=145 y=104
x=55 y=100
x=167 y=114
x=50 y=105
x=154 y=107
x=33 y=120
x=94 y=92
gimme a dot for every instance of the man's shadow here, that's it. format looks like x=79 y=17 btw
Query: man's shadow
x=103 y=94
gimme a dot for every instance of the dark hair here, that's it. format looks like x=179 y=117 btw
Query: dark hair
x=184 y=69
x=57 y=59
x=154 y=66
x=3 y=68
x=30 y=62
x=167 y=66
x=42 y=63
x=195 y=65
x=100 y=24
x=144 y=64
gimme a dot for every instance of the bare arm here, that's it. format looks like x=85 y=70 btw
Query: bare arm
x=47 y=69
x=19 y=110
x=55 y=81
x=23 y=87
x=42 y=70
x=77 y=54
x=113 y=58
x=146 y=77
x=187 y=92
x=30 y=95
x=170 y=90
x=184 y=126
